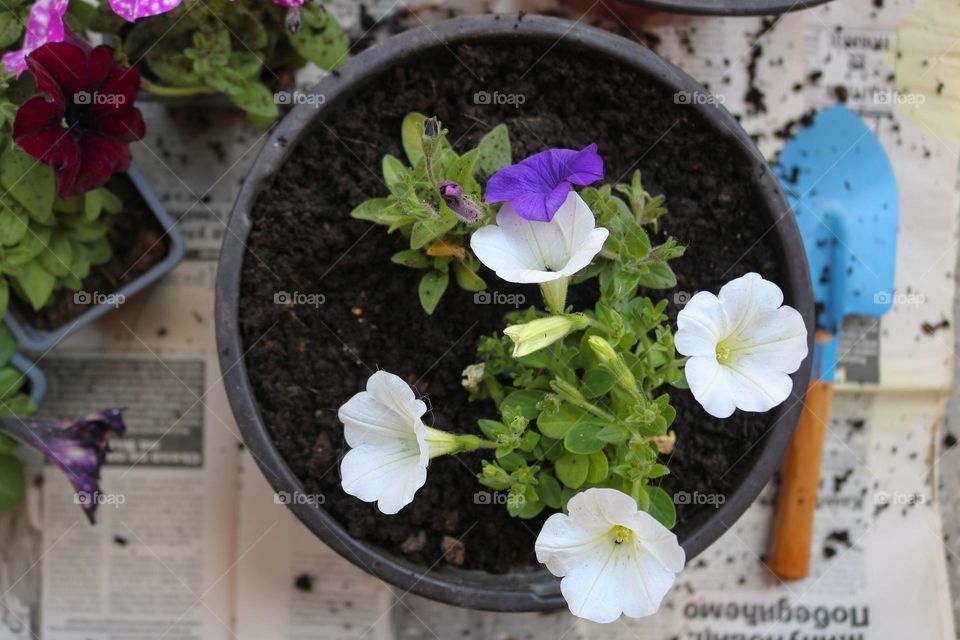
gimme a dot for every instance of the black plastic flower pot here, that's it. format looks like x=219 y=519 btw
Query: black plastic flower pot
x=532 y=588
x=40 y=340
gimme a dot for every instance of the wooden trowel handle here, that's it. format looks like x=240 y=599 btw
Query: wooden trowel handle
x=793 y=524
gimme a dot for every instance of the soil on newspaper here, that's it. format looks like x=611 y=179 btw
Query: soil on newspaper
x=138 y=243
x=305 y=360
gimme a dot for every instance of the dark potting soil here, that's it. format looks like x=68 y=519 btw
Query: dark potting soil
x=305 y=360
x=138 y=242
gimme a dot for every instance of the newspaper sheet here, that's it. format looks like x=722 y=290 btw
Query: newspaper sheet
x=192 y=543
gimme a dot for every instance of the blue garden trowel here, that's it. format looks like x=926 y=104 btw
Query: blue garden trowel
x=840 y=184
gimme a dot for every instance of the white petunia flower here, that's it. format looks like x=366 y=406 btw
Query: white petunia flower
x=391 y=447
x=742 y=346
x=614 y=559
x=545 y=253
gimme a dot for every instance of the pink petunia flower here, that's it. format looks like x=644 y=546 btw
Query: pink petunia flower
x=44 y=24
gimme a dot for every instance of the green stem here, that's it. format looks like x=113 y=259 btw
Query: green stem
x=570 y=394
x=472 y=443
x=494 y=388
x=555 y=294
x=174 y=92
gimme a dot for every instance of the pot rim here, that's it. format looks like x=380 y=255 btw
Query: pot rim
x=727 y=7
x=521 y=590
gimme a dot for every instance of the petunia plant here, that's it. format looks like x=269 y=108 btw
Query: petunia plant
x=65 y=128
x=582 y=392
x=435 y=202
x=245 y=49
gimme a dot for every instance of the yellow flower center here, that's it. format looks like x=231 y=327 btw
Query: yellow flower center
x=723 y=353
x=622 y=534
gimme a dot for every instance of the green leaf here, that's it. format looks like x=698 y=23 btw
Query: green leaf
x=98 y=252
x=394 y=173
x=658 y=275
x=493 y=152
x=636 y=243
x=371 y=210
x=58 y=257
x=10 y=382
x=491 y=428
x=556 y=424
x=7 y=444
x=12 y=484
x=18 y=405
x=411 y=258
x=661 y=506
x=11 y=28
x=432 y=285
x=599 y=467
x=111 y=203
x=428 y=231
x=549 y=490
x=14 y=258
x=582 y=438
x=8 y=343
x=529 y=509
x=254 y=98
x=597 y=382
x=411 y=132
x=524 y=401
x=613 y=434
x=5 y=302
x=33 y=184
x=462 y=169
x=467 y=279
x=319 y=39
x=89 y=231
x=92 y=204
x=13 y=226
x=572 y=469
x=35 y=284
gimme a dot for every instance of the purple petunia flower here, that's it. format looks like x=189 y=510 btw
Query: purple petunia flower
x=78 y=447
x=538 y=186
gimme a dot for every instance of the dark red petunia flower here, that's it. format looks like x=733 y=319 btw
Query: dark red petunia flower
x=85 y=125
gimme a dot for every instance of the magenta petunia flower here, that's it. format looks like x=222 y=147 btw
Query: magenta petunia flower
x=77 y=447
x=44 y=24
x=84 y=126
x=537 y=187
